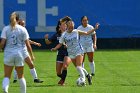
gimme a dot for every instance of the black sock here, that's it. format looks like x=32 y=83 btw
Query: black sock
x=59 y=75
x=64 y=74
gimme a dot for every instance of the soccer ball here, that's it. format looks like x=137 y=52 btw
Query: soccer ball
x=80 y=82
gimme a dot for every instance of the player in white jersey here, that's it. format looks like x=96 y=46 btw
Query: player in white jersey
x=28 y=59
x=74 y=48
x=14 y=37
x=88 y=43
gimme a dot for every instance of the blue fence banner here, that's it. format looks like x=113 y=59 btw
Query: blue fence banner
x=117 y=18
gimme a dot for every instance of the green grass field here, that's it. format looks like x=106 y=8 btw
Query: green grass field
x=117 y=71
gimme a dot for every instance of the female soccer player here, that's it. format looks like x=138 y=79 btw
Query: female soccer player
x=28 y=60
x=62 y=52
x=14 y=37
x=88 y=43
x=74 y=48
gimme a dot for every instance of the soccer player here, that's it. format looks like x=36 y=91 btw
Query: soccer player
x=74 y=48
x=88 y=43
x=28 y=60
x=14 y=37
x=62 y=54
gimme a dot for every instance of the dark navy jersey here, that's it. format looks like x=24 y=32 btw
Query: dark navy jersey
x=55 y=39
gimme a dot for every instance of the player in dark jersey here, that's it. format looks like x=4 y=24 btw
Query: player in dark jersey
x=62 y=52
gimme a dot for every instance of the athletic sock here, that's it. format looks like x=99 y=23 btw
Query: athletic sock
x=85 y=72
x=59 y=75
x=15 y=74
x=5 y=84
x=22 y=85
x=92 y=67
x=33 y=73
x=83 y=65
x=64 y=74
x=81 y=72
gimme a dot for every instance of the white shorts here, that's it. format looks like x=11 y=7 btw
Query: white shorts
x=25 y=53
x=74 y=56
x=14 y=59
x=88 y=49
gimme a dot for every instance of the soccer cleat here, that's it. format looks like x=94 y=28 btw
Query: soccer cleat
x=37 y=81
x=92 y=74
x=61 y=82
x=5 y=91
x=14 y=81
x=89 y=77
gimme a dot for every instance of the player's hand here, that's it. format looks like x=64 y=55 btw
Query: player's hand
x=97 y=25
x=38 y=44
x=95 y=47
x=53 y=49
x=32 y=58
x=46 y=36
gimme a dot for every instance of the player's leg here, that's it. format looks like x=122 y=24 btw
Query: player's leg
x=83 y=60
x=92 y=63
x=59 y=68
x=66 y=63
x=7 y=75
x=21 y=78
x=78 y=61
x=32 y=70
x=15 y=76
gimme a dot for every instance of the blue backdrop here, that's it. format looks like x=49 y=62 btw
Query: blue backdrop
x=118 y=18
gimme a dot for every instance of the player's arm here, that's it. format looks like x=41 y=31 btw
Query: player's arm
x=90 y=31
x=94 y=41
x=57 y=47
x=29 y=49
x=61 y=42
x=47 y=41
x=2 y=43
x=34 y=43
x=3 y=38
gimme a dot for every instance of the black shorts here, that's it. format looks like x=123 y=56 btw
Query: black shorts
x=60 y=58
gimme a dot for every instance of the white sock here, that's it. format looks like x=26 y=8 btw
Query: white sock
x=33 y=73
x=85 y=72
x=22 y=85
x=83 y=65
x=5 y=84
x=92 y=67
x=15 y=74
x=81 y=72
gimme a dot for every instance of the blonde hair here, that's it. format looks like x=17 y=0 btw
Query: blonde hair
x=13 y=20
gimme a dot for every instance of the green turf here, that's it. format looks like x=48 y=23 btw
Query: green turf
x=117 y=71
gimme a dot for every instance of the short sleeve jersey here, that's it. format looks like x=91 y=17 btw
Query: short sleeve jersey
x=86 y=40
x=15 y=39
x=55 y=39
x=72 y=42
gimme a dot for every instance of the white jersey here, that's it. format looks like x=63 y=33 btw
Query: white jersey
x=86 y=40
x=72 y=41
x=15 y=39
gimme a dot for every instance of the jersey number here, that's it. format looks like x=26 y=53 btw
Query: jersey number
x=14 y=39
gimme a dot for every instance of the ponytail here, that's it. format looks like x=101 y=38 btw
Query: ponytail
x=13 y=19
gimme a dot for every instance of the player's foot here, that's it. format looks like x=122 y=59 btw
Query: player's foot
x=37 y=81
x=5 y=91
x=14 y=81
x=89 y=77
x=92 y=74
x=61 y=82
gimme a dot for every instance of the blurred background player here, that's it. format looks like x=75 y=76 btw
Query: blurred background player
x=62 y=54
x=74 y=48
x=28 y=60
x=14 y=37
x=88 y=43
